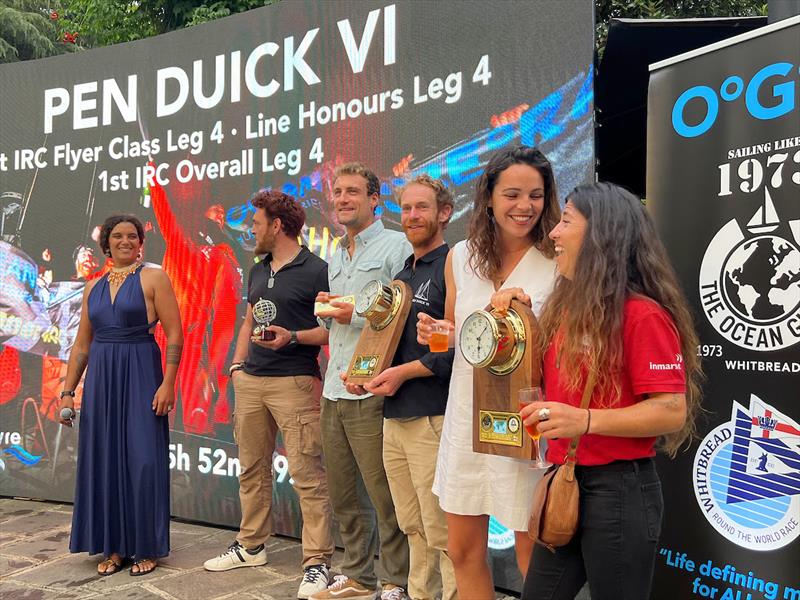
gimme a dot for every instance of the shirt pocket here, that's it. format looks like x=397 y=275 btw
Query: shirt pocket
x=370 y=265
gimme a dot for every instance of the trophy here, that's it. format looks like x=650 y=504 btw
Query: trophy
x=264 y=312
x=502 y=349
x=386 y=309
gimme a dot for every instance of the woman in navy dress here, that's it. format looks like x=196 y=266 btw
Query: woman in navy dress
x=122 y=506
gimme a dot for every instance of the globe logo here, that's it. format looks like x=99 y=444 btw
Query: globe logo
x=750 y=281
x=761 y=279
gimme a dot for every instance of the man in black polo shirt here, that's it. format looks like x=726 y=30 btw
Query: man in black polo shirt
x=415 y=390
x=277 y=385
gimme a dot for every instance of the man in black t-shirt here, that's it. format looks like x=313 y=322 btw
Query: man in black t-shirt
x=415 y=390
x=277 y=385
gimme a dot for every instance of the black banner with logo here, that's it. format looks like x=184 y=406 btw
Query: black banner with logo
x=723 y=182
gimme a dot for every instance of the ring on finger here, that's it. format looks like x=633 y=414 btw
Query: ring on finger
x=544 y=414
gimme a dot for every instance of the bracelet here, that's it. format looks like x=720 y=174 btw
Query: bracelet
x=66 y=393
x=235 y=367
x=588 y=420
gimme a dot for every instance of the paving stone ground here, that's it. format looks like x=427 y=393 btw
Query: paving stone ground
x=35 y=563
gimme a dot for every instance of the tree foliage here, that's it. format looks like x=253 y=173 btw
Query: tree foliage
x=27 y=31
x=605 y=10
x=103 y=22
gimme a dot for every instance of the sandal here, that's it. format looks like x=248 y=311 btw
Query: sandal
x=111 y=566
x=139 y=564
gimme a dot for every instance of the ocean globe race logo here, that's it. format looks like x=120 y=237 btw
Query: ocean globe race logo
x=746 y=477
x=750 y=281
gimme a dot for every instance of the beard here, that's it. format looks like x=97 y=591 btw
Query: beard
x=265 y=246
x=423 y=235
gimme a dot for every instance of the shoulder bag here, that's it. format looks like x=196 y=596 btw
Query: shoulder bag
x=554 y=513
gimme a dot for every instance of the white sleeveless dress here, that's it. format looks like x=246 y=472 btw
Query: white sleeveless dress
x=468 y=483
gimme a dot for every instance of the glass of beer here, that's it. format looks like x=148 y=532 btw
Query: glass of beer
x=438 y=341
x=526 y=396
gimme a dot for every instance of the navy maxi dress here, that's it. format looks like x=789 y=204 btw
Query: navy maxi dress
x=122 y=484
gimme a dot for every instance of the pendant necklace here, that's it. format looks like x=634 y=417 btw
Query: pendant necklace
x=271 y=280
x=116 y=277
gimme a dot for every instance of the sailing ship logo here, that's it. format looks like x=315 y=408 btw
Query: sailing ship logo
x=746 y=477
x=750 y=281
x=422 y=292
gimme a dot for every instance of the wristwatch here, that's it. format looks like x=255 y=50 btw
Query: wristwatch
x=293 y=338
x=238 y=366
x=66 y=393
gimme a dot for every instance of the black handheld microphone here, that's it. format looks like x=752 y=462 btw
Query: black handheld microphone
x=67 y=414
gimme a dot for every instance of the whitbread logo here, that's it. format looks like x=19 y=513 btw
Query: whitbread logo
x=750 y=281
x=673 y=366
x=746 y=477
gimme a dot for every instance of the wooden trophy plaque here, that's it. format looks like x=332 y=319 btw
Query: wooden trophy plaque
x=505 y=356
x=386 y=309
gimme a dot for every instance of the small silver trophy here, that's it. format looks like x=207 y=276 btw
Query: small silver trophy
x=264 y=312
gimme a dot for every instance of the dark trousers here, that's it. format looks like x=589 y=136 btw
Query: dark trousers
x=352 y=441
x=615 y=547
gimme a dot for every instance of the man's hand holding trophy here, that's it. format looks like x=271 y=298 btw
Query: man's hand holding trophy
x=264 y=334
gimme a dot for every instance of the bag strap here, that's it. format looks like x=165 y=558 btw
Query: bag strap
x=570 y=460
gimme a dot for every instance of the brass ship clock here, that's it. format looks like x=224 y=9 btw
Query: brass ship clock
x=493 y=341
x=503 y=350
x=386 y=308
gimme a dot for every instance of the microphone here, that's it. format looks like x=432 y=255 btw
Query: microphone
x=67 y=414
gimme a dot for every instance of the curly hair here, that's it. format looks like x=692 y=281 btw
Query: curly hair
x=277 y=205
x=621 y=256
x=485 y=258
x=108 y=226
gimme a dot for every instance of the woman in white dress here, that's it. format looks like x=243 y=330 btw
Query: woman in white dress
x=507 y=254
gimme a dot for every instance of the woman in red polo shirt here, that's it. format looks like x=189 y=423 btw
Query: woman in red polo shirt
x=617 y=306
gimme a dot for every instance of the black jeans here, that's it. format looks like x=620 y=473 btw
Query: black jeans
x=615 y=547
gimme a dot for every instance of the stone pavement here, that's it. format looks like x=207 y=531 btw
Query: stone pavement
x=35 y=563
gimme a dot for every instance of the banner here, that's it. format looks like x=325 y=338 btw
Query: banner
x=723 y=182
x=181 y=129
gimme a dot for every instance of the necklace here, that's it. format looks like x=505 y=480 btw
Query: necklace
x=272 y=272
x=118 y=277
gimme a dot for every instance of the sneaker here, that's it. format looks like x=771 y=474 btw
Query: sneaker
x=393 y=592
x=237 y=556
x=315 y=579
x=343 y=587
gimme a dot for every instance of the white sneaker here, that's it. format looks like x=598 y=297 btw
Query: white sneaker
x=236 y=556
x=343 y=587
x=315 y=579
x=393 y=593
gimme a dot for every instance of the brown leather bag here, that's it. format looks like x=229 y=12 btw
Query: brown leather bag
x=556 y=500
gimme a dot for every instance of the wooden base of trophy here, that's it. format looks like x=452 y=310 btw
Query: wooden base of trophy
x=376 y=347
x=496 y=425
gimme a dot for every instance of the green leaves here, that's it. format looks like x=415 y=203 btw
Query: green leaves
x=605 y=10
x=26 y=31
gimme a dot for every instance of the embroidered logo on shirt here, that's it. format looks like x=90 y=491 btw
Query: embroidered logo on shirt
x=422 y=291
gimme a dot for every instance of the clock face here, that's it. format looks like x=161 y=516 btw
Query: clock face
x=477 y=339
x=367 y=296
